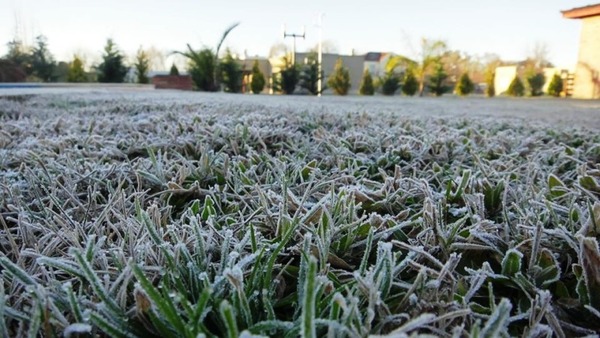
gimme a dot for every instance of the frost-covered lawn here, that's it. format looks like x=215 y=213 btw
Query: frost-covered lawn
x=176 y=214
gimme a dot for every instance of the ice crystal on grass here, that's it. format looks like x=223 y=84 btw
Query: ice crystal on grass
x=185 y=215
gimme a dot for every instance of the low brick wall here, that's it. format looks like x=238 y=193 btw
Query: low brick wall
x=181 y=82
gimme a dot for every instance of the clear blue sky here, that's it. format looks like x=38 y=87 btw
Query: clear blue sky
x=509 y=28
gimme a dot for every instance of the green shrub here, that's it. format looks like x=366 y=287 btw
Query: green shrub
x=231 y=74
x=339 y=80
x=366 y=85
x=390 y=83
x=536 y=83
x=556 y=86
x=437 y=81
x=464 y=86
x=112 y=69
x=257 y=84
x=411 y=84
x=516 y=87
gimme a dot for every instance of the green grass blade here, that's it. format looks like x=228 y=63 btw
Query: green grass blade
x=498 y=320
x=107 y=327
x=73 y=303
x=164 y=305
x=309 y=328
x=96 y=284
x=63 y=265
x=365 y=260
x=16 y=271
x=3 y=328
x=229 y=319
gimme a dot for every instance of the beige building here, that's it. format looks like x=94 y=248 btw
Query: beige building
x=587 y=72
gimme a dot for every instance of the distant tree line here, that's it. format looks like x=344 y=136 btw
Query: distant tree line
x=437 y=70
x=36 y=64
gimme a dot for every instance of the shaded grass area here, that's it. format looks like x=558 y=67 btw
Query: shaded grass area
x=136 y=217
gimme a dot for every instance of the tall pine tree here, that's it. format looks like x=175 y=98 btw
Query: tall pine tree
x=112 y=69
x=42 y=61
x=142 y=66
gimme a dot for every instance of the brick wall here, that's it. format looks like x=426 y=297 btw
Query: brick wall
x=181 y=82
x=587 y=74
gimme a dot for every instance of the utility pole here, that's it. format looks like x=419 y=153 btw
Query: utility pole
x=320 y=55
x=294 y=36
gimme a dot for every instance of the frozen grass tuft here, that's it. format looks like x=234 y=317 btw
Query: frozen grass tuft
x=157 y=216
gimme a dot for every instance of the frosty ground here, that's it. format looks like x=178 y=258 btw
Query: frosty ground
x=140 y=213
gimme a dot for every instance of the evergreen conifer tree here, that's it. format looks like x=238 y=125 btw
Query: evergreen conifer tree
x=390 y=83
x=42 y=61
x=490 y=78
x=142 y=66
x=112 y=69
x=464 y=86
x=174 y=71
x=231 y=74
x=76 y=72
x=339 y=80
x=309 y=75
x=516 y=87
x=366 y=85
x=556 y=86
x=257 y=84
x=437 y=80
x=18 y=54
x=287 y=80
x=411 y=84
x=536 y=81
